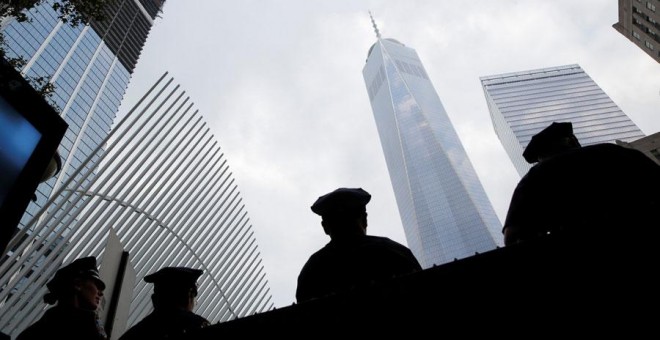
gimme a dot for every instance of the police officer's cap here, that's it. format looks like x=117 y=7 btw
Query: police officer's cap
x=546 y=139
x=342 y=200
x=64 y=277
x=174 y=278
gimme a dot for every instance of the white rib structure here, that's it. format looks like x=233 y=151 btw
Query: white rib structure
x=163 y=184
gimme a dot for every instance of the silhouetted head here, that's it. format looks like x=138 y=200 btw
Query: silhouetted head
x=344 y=212
x=174 y=287
x=77 y=284
x=553 y=140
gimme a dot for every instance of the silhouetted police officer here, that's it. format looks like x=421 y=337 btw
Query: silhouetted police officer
x=601 y=190
x=175 y=289
x=351 y=258
x=76 y=289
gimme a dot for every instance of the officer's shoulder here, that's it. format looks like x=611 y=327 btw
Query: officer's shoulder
x=381 y=240
x=196 y=320
x=135 y=332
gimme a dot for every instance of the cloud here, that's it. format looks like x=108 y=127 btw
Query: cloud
x=281 y=86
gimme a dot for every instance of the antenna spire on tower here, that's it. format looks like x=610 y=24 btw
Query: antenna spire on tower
x=373 y=22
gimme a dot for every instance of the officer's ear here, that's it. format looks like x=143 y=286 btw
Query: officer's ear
x=77 y=284
x=575 y=142
x=190 y=299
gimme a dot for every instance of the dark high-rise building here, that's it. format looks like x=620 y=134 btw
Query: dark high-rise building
x=639 y=21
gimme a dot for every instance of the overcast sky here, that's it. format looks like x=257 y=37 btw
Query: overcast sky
x=280 y=83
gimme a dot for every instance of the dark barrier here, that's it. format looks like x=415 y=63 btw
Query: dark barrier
x=549 y=286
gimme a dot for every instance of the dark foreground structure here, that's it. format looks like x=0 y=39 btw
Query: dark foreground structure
x=549 y=286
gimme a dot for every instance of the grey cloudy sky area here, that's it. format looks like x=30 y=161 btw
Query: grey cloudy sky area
x=280 y=83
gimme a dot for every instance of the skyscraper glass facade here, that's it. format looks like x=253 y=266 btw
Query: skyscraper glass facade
x=523 y=103
x=90 y=67
x=443 y=207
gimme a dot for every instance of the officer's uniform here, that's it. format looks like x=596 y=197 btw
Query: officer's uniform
x=593 y=191
x=346 y=263
x=169 y=322
x=65 y=321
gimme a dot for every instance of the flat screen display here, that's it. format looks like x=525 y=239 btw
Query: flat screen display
x=18 y=140
x=30 y=132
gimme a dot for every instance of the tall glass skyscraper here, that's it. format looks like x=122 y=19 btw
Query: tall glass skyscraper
x=90 y=67
x=523 y=103
x=443 y=207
